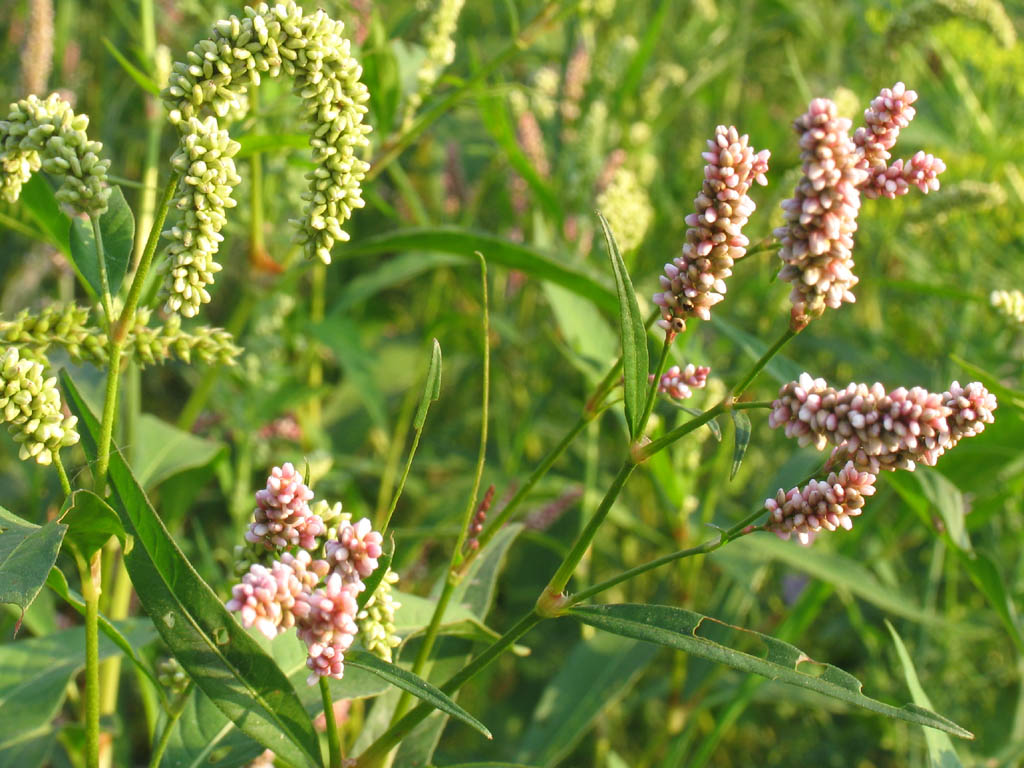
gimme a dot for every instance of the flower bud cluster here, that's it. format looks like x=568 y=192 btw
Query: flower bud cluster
x=30 y=406
x=695 y=281
x=171 y=675
x=309 y=48
x=821 y=217
x=304 y=566
x=377 y=619
x=204 y=160
x=1009 y=303
x=881 y=430
x=68 y=326
x=46 y=134
x=679 y=383
x=890 y=112
x=820 y=505
x=440 y=43
x=626 y=205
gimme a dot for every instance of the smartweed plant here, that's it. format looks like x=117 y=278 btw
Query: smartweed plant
x=370 y=675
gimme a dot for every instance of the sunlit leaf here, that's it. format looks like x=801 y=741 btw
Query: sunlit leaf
x=27 y=552
x=741 y=421
x=117 y=228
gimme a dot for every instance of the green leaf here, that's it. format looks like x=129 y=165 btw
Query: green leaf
x=941 y=753
x=91 y=523
x=220 y=657
x=117 y=228
x=635 y=362
x=593 y=677
x=38 y=198
x=34 y=676
x=387 y=274
x=986 y=577
x=948 y=501
x=464 y=243
x=162 y=451
x=141 y=78
x=677 y=628
x=431 y=388
x=741 y=421
x=204 y=737
x=58 y=584
x=417 y=686
x=27 y=552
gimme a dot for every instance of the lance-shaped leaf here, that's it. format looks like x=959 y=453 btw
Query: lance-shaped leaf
x=741 y=421
x=635 y=362
x=220 y=656
x=431 y=388
x=417 y=686
x=27 y=552
x=677 y=628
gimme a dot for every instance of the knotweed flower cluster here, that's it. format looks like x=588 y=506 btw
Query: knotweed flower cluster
x=679 y=383
x=309 y=576
x=204 y=160
x=889 y=112
x=827 y=504
x=214 y=78
x=46 y=134
x=440 y=43
x=821 y=217
x=1009 y=303
x=626 y=205
x=695 y=281
x=68 y=326
x=880 y=430
x=30 y=406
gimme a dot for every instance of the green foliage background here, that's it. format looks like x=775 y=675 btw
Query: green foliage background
x=664 y=74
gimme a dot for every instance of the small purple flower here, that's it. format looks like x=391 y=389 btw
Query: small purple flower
x=677 y=383
x=820 y=505
x=821 y=217
x=354 y=552
x=282 y=517
x=695 y=281
x=326 y=623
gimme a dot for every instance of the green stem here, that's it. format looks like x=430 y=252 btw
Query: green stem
x=383 y=524
x=551 y=597
x=670 y=437
x=333 y=738
x=91 y=575
x=65 y=484
x=377 y=751
x=172 y=717
x=740 y=388
x=652 y=388
x=452 y=576
x=108 y=307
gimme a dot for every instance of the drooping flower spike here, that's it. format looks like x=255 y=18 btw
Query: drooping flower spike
x=30 y=405
x=282 y=517
x=678 y=383
x=820 y=505
x=880 y=430
x=695 y=281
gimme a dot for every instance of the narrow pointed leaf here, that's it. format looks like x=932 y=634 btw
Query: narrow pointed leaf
x=677 y=628
x=432 y=387
x=986 y=577
x=221 y=657
x=415 y=685
x=141 y=78
x=635 y=362
x=941 y=753
x=27 y=552
x=742 y=433
x=375 y=578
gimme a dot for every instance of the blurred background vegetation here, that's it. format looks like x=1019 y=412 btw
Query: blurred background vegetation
x=608 y=106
